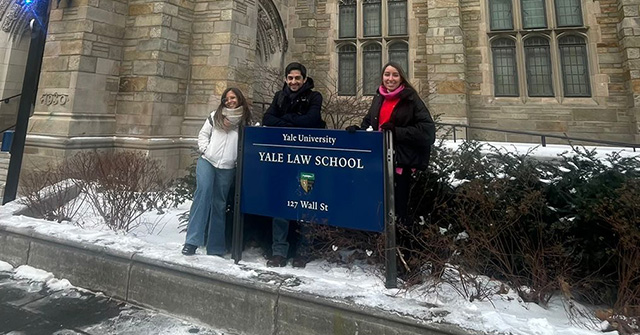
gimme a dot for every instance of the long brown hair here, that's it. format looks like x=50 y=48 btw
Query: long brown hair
x=403 y=75
x=218 y=118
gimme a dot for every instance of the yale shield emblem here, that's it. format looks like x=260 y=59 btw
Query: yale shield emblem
x=306 y=181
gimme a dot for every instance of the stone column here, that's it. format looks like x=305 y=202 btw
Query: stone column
x=222 y=54
x=154 y=78
x=13 y=58
x=446 y=62
x=629 y=34
x=79 y=80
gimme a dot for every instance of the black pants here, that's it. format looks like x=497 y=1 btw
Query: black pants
x=402 y=186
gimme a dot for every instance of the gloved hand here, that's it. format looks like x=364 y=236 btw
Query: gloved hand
x=352 y=129
x=388 y=126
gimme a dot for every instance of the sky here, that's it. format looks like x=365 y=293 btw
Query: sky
x=158 y=237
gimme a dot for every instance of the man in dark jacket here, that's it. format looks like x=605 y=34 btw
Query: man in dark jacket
x=297 y=105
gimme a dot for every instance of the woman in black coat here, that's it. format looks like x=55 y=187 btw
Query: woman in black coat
x=398 y=108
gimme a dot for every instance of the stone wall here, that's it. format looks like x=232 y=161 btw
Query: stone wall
x=310 y=28
x=628 y=30
x=603 y=116
x=13 y=58
x=139 y=75
x=446 y=61
x=79 y=81
x=144 y=74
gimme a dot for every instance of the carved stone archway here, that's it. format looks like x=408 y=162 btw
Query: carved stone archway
x=271 y=38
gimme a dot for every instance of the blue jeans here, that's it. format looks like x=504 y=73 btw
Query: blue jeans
x=209 y=207
x=280 y=232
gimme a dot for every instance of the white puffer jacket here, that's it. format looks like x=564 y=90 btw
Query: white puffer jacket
x=218 y=147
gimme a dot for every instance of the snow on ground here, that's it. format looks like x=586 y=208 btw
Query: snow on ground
x=550 y=151
x=5 y=267
x=157 y=236
x=129 y=320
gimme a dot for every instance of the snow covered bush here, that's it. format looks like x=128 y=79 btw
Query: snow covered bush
x=622 y=213
x=120 y=185
x=185 y=186
x=537 y=225
x=49 y=193
x=541 y=226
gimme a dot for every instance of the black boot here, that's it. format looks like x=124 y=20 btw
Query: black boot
x=189 y=249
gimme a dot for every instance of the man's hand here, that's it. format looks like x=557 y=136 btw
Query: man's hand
x=352 y=129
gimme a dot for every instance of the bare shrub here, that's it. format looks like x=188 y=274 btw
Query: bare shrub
x=49 y=193
x=345 y=246
x=340 y=111
x=509 y=238
x=121 y=185
x=622 y=212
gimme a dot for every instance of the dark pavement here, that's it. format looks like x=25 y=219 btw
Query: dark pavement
x=30 y=308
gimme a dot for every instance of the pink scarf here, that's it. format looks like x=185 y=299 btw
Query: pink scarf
x=390 y=95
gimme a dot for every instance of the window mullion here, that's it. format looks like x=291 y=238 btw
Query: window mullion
x=521 y=69
x=517 y=14
x=384 y=25
x=551 y=14
x=555 y=66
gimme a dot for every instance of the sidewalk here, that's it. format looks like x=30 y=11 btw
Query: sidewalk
x=265 y=303
x=30 y=307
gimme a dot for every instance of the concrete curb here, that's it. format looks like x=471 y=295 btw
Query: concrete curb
x=214 y=299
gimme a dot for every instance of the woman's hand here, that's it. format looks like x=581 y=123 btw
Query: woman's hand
x=388 y=126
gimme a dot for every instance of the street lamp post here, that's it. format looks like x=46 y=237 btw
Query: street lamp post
x=28 y=97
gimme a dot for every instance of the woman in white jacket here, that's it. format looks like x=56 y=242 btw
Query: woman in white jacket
x=215 y=172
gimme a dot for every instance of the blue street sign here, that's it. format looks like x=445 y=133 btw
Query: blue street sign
x=314 y=175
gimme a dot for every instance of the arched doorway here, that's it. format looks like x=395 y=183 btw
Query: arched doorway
x=271 y=47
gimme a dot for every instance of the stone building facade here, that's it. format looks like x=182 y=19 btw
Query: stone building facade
x=143 y=74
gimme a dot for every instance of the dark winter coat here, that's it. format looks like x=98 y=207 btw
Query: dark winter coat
x=299 y=109
x=414 y=130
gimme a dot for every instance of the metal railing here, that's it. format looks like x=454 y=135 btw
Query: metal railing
x=6 y=100
x=543 y=136
x=263 y=105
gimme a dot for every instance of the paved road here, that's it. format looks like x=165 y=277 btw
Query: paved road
x=30 y=308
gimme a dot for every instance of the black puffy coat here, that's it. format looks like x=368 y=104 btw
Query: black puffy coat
x=414 y=130
x=299 y=109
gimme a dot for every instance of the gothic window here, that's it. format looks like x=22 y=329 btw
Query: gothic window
x=538 y=63
x=533 y=14
x=370 y=33
x=568 y=13
x=347 y=70
x=551 y=61
x=504 y=67
x=397 y=10
x=371 y=66
x=347 y=24
x=575 y=73
x=501 y=14
x=372 y=18
x=399 y=53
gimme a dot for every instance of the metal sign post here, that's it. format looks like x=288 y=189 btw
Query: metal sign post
x=27 y=101
x=318 y=176
x=391 y=270
x=238 y=216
